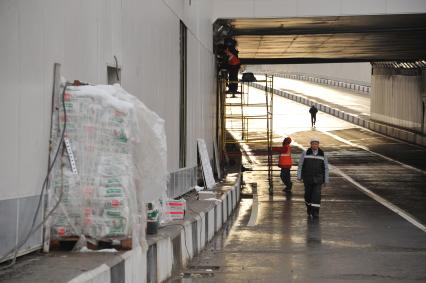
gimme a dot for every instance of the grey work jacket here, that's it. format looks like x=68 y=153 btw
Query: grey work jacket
x=313 y=168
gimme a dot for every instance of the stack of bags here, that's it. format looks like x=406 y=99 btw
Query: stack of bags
x=100 y=200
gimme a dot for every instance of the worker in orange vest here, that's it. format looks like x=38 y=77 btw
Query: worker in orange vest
x=233 y=68
x=285 y=162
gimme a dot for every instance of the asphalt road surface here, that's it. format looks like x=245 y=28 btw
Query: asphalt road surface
x=371 y=225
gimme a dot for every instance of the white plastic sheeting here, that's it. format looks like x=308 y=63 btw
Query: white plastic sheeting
x=120 y=154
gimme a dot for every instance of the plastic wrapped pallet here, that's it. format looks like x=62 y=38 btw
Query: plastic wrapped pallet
x=119 y=147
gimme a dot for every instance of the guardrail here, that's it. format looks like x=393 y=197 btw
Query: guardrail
x=181 y=181
x=354 y=86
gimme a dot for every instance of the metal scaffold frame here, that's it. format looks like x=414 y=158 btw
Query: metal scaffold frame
x=248 y=120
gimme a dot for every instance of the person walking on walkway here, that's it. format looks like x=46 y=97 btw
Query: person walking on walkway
x=313 y=110
x=313 y=170
x=285 y=162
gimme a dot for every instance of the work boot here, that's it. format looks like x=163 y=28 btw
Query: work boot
x=287 y=189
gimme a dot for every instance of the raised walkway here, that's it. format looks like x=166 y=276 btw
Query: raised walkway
x=168 y=251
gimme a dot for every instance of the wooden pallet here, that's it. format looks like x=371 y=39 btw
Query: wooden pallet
x=68 y=243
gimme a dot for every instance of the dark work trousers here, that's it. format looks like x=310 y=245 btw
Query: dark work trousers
x=313 y=119
x=313 y=198
x=233 y=76
x=285 y=177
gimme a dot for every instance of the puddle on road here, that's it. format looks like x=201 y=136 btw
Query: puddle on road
x=197 y=268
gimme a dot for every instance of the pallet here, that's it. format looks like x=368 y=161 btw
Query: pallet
x=68 y=243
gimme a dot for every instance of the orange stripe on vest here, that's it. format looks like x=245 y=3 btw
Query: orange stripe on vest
x=285 y=161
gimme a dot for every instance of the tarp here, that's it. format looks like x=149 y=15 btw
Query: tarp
x=120 y=154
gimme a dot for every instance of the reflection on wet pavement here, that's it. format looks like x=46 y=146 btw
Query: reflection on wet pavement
x=355 y=238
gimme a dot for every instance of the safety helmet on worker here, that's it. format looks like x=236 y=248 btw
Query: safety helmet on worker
x=287 y=140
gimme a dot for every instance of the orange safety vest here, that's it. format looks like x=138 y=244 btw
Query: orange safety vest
x=233 y=60
x=285 y=161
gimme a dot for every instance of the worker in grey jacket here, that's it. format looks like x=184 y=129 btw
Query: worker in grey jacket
x=313 y=170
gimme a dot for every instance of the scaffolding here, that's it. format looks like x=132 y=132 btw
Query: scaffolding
x=247 y=117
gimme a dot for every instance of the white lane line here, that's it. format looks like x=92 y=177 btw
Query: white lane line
x=254 y=209
x=407 y=216
x=381 y=200
x=372 y=152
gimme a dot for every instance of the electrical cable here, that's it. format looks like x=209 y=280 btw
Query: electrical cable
x=201 y=222
x=34 y=228
x=184 y=232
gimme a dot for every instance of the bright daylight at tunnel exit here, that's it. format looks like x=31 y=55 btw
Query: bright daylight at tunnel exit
x=213 y=141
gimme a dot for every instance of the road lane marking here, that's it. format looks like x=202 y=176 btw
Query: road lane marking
x=407 y=216
x=372 y=152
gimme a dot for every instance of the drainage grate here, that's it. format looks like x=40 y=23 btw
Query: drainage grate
x=200 y=271
x=198 y=274
x=204 y=267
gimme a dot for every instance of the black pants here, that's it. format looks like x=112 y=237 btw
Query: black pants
x=233 y=76
x=313 y=198
x=285 y=177
x=313 y=119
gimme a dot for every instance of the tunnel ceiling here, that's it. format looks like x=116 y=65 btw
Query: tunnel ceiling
x=327 y=39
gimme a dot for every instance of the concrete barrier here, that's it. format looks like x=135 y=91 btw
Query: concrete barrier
x=171 y=249
x=358 y=87
x=388 y=130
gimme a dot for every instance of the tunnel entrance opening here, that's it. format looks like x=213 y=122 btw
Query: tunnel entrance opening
x=373 y=38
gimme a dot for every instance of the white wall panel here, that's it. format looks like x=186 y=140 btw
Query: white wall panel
x=276 y=8
x=81 y=44
x=33 y=145
x=233 y=8
x=318 y=7
x=151 y=64
x=205 y=24
x=195 y=98
x=363 y=7
x=301 y=8
x=407 y=6
x=9 y=98
x=84 y=36
x=201 y=99
x=177 y=6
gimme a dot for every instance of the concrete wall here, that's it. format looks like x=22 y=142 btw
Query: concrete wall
x=303 y=8
x=84 y=36
x=385 y=129
x=353 y=72
x=172 y=248
x=397 y=97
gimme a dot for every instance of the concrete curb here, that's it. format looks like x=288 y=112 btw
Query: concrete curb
x=354 y=86
x=384 y=129
x=172 y=248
